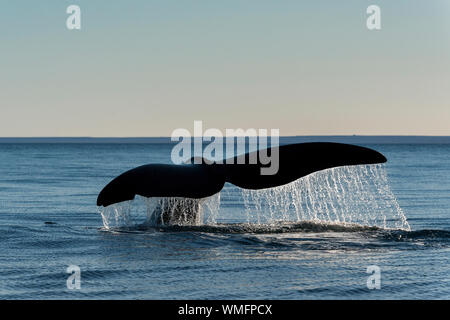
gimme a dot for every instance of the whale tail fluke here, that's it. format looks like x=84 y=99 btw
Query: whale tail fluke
x=287 y=163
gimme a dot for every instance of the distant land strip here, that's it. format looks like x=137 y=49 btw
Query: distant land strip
x=354 y=139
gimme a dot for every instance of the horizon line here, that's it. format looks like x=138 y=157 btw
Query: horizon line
x=347 y=139
x=281 y=136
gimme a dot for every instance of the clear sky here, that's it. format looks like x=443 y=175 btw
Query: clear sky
x=145 y=68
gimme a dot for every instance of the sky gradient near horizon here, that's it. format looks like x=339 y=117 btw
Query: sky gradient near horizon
x=145 y=68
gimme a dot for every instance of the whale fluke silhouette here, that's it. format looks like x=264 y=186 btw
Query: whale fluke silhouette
x=203 y=180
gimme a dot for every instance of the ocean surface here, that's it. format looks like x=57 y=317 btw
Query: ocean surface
x=316 y=238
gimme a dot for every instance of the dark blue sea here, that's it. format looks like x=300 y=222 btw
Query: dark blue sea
x=321 y=237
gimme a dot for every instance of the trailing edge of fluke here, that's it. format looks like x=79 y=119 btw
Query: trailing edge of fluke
x=203 y=180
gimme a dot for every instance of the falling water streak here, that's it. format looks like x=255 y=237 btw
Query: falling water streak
x=346 y=195
x=144 y=211
x=356 y=195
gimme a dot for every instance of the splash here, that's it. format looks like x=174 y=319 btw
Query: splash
x=351 y=195
x=161 y=211
x=344 y=195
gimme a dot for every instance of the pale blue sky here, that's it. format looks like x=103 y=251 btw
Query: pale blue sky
x=145 y=68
